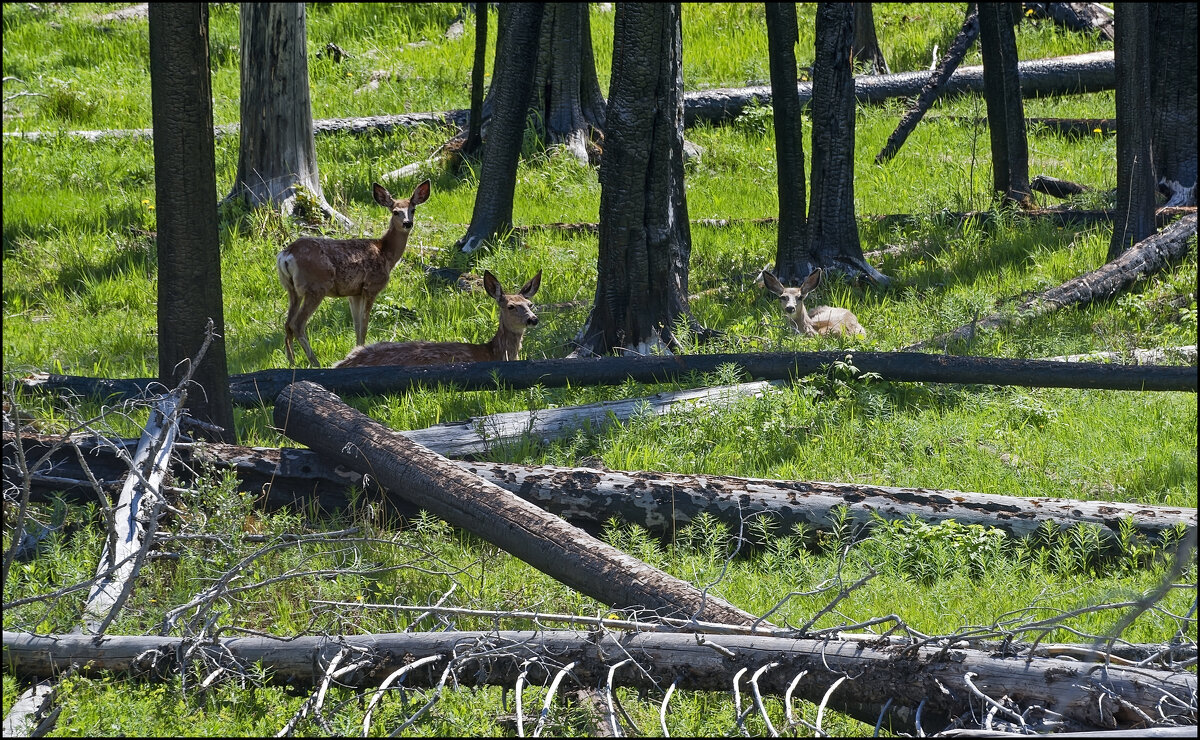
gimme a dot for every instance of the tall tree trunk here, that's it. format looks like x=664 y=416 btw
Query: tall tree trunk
x=1005 y=110
x=866 y=43
x=1173 y=82
x=1135 y=163
x=645 y=239
x=189 y=254
x=832 y=228
x=475 y=122
x=566 y=91
x=512 y=80
x=277 y=157
x=792 y=245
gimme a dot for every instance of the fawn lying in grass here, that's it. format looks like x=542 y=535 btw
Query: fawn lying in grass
x=516 y=315
x=312 y=268
x=822 y=319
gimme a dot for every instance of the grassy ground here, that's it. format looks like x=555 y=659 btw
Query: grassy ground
x=79 y=298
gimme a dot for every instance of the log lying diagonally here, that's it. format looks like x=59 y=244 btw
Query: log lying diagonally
x=315 y=417
x=909 y=677
x=588 y=497
x=1147 y=257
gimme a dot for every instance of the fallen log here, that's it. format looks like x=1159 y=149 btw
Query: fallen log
x=1055 y=187
x=931 y=678
x=315 y=417
x=1067 y=75
x=260 y=387
x=586 y=497
x=1147 y=257
x=1077 y=17
x=1064 y=126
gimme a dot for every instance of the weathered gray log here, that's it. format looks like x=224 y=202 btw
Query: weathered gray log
x=125 y=549
x=1155 y=356
x=588 y=497
x=1068 y=75
x=258 y=388
x=935 y=677
x=1147 y=257
x=315 y=417
x=478 y=435
x=30 y=715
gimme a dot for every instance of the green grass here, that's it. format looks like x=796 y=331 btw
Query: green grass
x=79 y=296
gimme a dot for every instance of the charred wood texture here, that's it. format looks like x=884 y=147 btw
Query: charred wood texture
x=1173 y=93
x=588 y=497
x=1082 y=17
x=1135 y=166
x=866 y=43
x=792 y=238
x=261 y=387
x=1146 y=258
x=315 y=417
x=909 y=676
x=1055 y=187
x=1005 y=109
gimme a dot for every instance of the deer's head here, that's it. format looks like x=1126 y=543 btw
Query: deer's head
x=516 y=310
x=402 y=210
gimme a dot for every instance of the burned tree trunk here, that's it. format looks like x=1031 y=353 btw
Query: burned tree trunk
x=792 y=241
x=566 y=90
x=1005 y=110
x=1135 y=164
x=315 y=417
x=474 y=138
x=277 y=159
x=1173 y=93
x=866 y=43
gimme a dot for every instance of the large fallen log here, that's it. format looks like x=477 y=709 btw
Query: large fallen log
x=1068 y=75
x=937 y=680
x=315 y=417
x=260 y=388
x=1145 y=258
x=588 y=497
x=1083 y=17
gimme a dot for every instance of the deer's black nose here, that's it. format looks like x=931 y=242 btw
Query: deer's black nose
x=532 y=321
x=790 y=309
x=408 y=224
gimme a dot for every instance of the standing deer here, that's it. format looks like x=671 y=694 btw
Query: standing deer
x=822 y=320
x=516 y=315
x=312 y=268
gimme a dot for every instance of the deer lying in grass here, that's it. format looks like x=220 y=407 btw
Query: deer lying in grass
x=312 y=268
x=822 y=320
x=516 y=315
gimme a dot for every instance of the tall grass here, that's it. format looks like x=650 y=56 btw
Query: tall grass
x=79 y=293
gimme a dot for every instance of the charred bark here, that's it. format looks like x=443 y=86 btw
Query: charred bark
x=832 y=228
x=1005 y=110
x=474 y=137
x=261 y=387
x=277 y=159
x=929 y=93
x=792 y=240
x=866 y=43
x=188 y=245
x=1145 y=258
x=1135 y=165
x=566 y=91
x=1055 y=187
x=930 y=678
x=1081 y=17
x=1173 y=91
x=315 y=417
x=512 y=82
x=645 y=238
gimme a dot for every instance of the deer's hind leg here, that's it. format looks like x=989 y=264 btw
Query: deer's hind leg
x=298 y=324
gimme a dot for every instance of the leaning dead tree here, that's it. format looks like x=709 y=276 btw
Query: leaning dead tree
x=1145 y=258
x=910 y=688
x=929 y=93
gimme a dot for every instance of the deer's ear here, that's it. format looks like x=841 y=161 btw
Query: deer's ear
x=382 y=196
x=492 y=285
x=532 y=286
x=771 y=283
x=811 y=281
x=420 y=194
